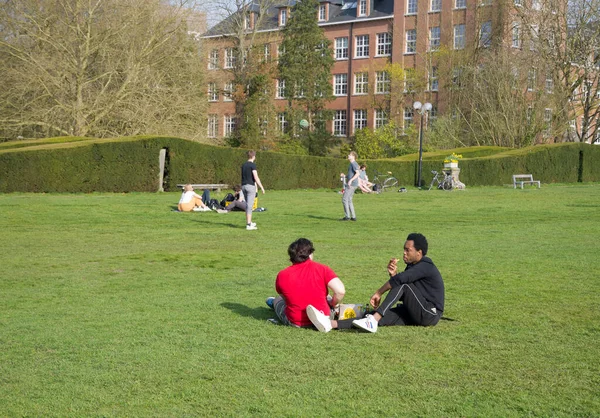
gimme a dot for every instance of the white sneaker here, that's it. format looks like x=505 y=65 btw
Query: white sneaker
x=251 y=227
x=318 y=319
x=368 y=323
x=221 y=211
x=252 y=223
x=199 y=209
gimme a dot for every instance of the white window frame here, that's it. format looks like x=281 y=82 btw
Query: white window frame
x=518 y=3
x=534 y=36
x=459 y=36
x=283 y=17
x=213 y=93
x=531 y=79
x=340 y=123
x=229 y=125
x=341 y=48
x=359 y=119
x=411 y=41
x=382 y=82
x=412 y=7
x=267 y=52
x=282 y=123
x=433 y=80
x=361 y=83
x=460 y=4
x=340 y=84
x=228 y=91
x=213 y=59
x=381 y=118
x=516 y=35
x=536 y=5
x=550 y=83
x=435 y=6
x=408 y=116
x=212 y=127
x=435 y=34
x=280 y=89
x=361 y=46
x=485 y=34
x=384 y=44
x=229 y=58
x=361 y=8
x=322 y=12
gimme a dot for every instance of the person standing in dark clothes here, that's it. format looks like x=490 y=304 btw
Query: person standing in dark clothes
x=419 y=287
x=249 y=181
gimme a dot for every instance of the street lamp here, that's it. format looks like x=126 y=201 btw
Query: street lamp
x=422 y=109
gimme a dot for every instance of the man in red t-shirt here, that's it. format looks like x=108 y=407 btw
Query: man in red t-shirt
x=304 y=283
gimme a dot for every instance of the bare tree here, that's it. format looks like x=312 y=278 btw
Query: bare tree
x=99 y=68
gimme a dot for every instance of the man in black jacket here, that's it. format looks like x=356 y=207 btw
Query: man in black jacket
x=420 y=287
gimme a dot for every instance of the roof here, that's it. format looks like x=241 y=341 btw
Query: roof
x=340 y=11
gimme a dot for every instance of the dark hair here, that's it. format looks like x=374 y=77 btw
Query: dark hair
x=363 y=167
x=237 y=188
x=420 y=242
x=300 y=250
x=251 y=154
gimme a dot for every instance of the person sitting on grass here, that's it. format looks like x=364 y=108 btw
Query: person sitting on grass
x=419 y=287
x=238 y=203
x=363 y=181
x=191 y=201
x=304 y=283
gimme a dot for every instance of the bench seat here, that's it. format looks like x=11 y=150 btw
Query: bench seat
x=522 y=179
x=210 y=186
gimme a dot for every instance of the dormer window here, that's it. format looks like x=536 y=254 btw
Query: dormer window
x=283 y=17
x=322 y=12
x=361 y=8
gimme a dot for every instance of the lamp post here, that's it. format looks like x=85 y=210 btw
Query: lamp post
x=422 y=109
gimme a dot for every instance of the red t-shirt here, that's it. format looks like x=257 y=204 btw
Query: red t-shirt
x=302 y=285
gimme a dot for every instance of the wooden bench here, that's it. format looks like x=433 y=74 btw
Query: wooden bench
x=211 y=186
x=521 y=179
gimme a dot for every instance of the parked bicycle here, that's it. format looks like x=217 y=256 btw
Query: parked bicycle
x=384 y=182
x=444 y=180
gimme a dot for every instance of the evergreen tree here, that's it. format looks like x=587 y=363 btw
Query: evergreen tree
x=305 y=66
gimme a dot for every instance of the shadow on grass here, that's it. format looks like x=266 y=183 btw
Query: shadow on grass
x=259 y=313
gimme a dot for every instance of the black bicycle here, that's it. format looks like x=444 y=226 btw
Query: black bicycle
x=444 y=180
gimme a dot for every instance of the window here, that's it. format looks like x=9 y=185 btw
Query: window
x=282 y=123
x=433 y=113
x=435 y=6
x=322 y=12
x=434 y=38
x=280 y=50
x=485 y=34
x=411 y=41
x=267 y=52
x=229 y=124
x=408 y=117
x=432 y=79
x=411 y=7
x=213 y=94
x=518 y=2
x=360 y=119
x=362 y=46
x=282 y=17
x=229 y=58
x=213 y=59
x=548 y=118
x=339 y=123
x=361 y=8
x=382 y=82
x=381 y=118
x=247 y=22
x=341 y=48
x=459 y=36
x=460 y=4
x=212 y=126
x=340 y=84
x=361 y=83
x=456 y=76
x=531 y=76
x=384 y=44
x=280 y=92
x=549 y=83
x=534 y=37
x=529 y=113
x=573 y=124
x=536 y=4
x=409 y=80
x=227 y=92
x=516 y=35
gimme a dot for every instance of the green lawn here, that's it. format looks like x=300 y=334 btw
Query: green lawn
x=115 y=305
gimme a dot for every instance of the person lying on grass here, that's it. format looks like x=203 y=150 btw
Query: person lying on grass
x=419 y=287
x=304 y=283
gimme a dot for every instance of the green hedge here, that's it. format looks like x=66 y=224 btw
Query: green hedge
x=131 y=164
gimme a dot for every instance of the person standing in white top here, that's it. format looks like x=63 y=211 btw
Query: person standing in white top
x=191 y=201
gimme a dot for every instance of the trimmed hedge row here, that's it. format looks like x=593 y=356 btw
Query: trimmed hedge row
x=131 y=164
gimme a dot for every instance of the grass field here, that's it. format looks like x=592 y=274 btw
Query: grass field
x=115 y=305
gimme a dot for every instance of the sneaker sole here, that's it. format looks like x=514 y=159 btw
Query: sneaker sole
x=313 y=315
x=358 y=325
